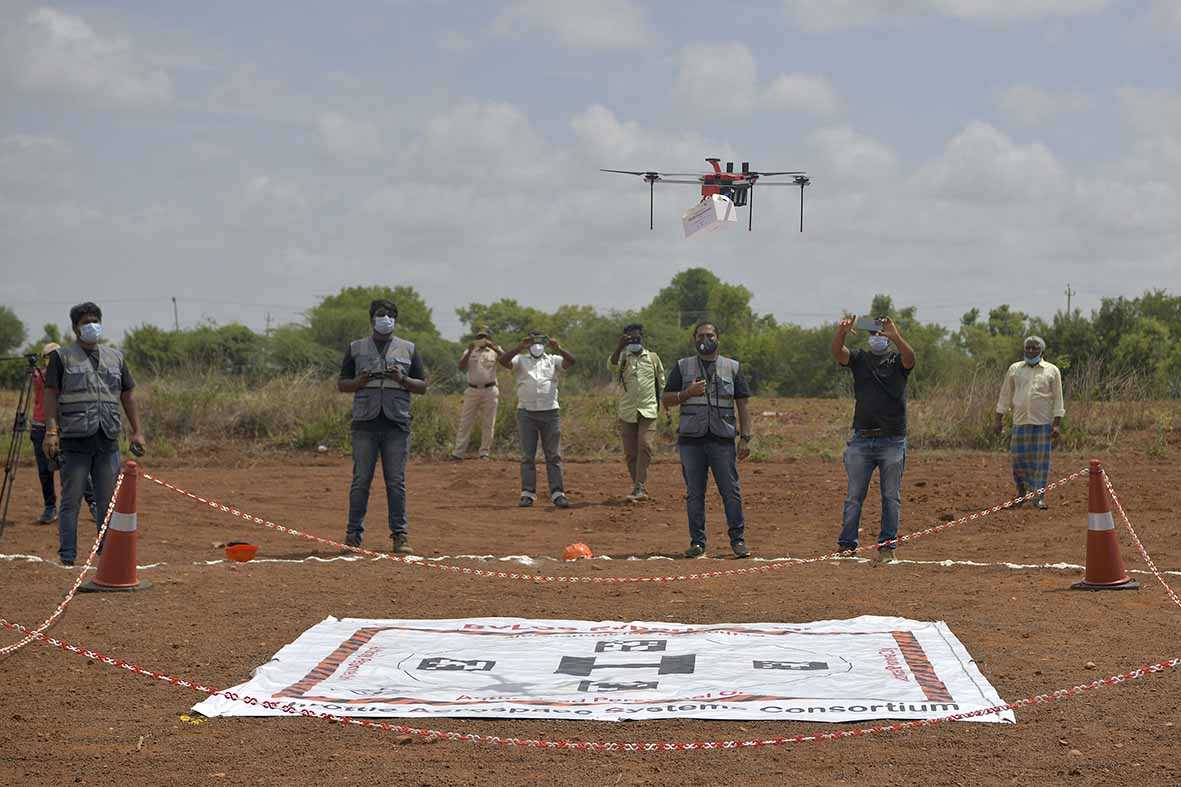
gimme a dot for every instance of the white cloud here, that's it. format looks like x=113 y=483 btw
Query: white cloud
x=454 y=41
x=808 y=93
x=1166 y=15
x=717 y=79
x=829 y=15
x=847 y=154
x=604 y=24
x=1030 y=105
x=348 y=138
x=617 y=144
x=57 y=53
x=723 y=79
x=982 y=164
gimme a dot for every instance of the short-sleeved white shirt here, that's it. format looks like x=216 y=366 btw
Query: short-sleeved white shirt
x=537 y=381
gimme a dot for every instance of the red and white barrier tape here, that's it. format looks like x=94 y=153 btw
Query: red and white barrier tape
x=1136 y=540
x=4 y=651
x=603 y=746
x=567 y=579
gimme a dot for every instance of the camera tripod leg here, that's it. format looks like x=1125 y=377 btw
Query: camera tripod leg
x=20 y=425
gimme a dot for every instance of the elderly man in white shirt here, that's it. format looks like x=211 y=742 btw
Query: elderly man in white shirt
x=1032 y=390
x=538 y=414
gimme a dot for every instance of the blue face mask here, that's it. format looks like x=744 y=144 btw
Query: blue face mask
x=1034 y=361
x=384 y=324
x=91 y=332
x=878 y=344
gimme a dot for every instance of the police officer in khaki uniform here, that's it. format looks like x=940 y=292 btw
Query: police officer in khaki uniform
x=381 y=371
x=482 y=395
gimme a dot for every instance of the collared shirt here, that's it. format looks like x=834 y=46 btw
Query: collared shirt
x=639 y=375
x=1033 y=393
x=481 y=366
x=537 y=381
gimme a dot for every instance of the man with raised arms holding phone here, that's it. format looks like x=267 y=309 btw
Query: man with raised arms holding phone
x=879 y=425
x=711 y=390
x=538 y=415
x=381 y=371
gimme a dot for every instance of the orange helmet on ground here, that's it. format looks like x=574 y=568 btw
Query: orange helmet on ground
x=576 y=551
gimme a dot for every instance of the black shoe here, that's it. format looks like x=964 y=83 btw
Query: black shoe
x=455 y=458
x=561 y=501
x=399 y=544
x=351 y=540
x=48 y=515
x=67 y=563
x=526 y=501
x=847 y=550
x=695 y=550
x=740 y=549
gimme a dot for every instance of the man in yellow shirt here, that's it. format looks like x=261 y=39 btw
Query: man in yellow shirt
x=1032 y=389
x=640 y=374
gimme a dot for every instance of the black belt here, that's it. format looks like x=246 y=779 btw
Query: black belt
x=879 y=432
x=473 y=385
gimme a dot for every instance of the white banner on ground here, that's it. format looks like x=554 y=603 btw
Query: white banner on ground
x=834 y=670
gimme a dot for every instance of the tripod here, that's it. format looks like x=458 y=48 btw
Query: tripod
x=20 y=425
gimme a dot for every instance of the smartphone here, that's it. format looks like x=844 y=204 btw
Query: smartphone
x=868 y=324
x=136 y=449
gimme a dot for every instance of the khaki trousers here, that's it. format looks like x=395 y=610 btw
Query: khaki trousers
x=477 y=403
x=637 y=447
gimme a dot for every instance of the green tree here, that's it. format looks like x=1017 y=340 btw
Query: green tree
x=12 y=331
x=688 y=296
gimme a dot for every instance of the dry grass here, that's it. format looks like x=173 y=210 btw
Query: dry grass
x=207 y=413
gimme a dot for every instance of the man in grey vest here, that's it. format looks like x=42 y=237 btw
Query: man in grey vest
x=381 y=371
x=711 y=390
x=85 y=385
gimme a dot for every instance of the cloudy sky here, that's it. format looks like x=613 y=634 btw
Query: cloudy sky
x=249 y=157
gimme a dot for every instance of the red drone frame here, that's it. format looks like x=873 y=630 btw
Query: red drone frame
x=739 y=187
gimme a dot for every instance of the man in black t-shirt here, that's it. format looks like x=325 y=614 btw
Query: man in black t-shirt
x=879 y=428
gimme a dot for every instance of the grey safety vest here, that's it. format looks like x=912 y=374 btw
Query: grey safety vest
x=712 y=413
x=89 y=397
x=382 y=395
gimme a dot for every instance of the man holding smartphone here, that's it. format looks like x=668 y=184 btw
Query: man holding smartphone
x=640 y=374
x=880 y=374
x=710 y=390
x=538 y=415
x=381 y=371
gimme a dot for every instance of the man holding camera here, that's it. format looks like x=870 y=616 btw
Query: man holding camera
x=641 y=374
x=879 y=426
x=381 y=371
x=538 y=413
x=710 y=389
x=85 y=383
x=482 y=396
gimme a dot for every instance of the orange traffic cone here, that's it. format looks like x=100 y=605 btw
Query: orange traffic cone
x=1105 y=568
x=116 y=565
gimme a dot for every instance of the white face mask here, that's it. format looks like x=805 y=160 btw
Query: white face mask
x=635 y=348
x=536 y=350
x=384 y=324
x=878 y=344
x=91 y=332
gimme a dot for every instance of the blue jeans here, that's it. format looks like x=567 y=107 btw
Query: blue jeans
x=862 y=455
x=697 y=460
x=394 y=448
x=79 y=469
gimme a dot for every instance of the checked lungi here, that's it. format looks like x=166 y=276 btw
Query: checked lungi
x=1030 y=448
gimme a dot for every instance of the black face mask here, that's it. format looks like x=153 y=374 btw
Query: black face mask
x=707 y=346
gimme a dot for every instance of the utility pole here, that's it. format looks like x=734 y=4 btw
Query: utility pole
x=268 y=331
x=175 y=315
x=1069 y=294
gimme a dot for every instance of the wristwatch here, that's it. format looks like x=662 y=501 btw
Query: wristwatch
x=744 y=438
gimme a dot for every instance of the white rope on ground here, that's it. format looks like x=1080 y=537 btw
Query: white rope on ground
x=7 y=649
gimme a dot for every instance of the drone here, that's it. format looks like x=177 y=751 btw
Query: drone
x=738 y=187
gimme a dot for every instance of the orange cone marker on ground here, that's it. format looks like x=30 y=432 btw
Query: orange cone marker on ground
x=1105 y=568
x=116 y=565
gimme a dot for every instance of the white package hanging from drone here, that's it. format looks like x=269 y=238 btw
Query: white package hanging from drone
x=712 y=213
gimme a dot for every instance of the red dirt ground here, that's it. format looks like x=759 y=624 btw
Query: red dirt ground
x=64 y=720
